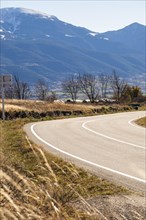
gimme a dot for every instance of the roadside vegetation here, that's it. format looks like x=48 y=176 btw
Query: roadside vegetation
x=142 y=122
x=42 y=109
x=38 y=185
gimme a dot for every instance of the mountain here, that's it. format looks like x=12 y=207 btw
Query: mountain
x=36 y=45
x=133 y=36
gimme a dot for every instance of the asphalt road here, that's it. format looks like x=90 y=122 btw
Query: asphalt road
x=111 y=146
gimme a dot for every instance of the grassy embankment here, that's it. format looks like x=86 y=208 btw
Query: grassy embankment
x=38 y=185
x=39 y=109
x=142 y=122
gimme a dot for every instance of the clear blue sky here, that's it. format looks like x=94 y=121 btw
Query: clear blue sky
x=97 y=15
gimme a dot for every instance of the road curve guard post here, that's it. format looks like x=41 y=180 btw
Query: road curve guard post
x=5 y=82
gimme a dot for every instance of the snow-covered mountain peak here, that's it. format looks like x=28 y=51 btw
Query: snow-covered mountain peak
x=37 y=13
x=16 y=11
x=16 y=18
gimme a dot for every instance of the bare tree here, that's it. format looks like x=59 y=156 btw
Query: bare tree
x=9 y=92
x=118 y=86
x=71 y=86
x=41 y=90
x=89 y=86
x=25 y=90
x=21 y=89
x=103 y=81
x=51 y=97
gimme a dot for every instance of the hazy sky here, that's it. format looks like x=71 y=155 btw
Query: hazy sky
x=97 y=15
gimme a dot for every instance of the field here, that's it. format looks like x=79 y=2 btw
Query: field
x=38 y=185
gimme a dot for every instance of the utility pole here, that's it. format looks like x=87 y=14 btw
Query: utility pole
x=3 y=103
x=5 y=81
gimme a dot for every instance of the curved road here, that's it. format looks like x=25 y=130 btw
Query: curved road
x=111 y=146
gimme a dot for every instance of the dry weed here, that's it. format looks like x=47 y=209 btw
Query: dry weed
x=22 y=198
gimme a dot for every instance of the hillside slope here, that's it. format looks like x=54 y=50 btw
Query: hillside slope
x=36 y=45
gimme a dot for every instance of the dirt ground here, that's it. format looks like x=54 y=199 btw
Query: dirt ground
x=119 y=207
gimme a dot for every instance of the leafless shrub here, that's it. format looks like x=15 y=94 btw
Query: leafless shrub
x=118 y=86
x=89 y=86
x=71 y=87
x=41 y=90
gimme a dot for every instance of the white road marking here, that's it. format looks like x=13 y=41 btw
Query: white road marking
x=83 y=160
x=131 y=122
x=108 y=137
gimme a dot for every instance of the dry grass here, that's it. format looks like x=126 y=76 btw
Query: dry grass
x=38 y=185
x=142 y=122
x=11 y=107
x=45 y=110
x=40 y=106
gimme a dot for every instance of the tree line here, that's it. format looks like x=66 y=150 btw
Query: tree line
x=99 y=87
x=91 y=86
x=22 y=90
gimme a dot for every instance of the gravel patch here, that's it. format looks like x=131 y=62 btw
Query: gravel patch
x=118 y=207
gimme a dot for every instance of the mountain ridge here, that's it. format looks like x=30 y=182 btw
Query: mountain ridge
x=35 y=45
